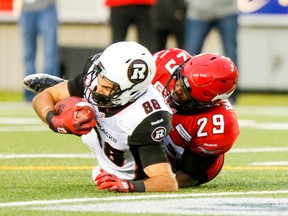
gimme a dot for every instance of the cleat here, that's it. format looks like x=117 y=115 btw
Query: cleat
x=38 y=82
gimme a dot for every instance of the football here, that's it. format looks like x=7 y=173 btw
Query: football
x=78 y=106
x=74 y=115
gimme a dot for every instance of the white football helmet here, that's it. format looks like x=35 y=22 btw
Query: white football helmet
x=130 y=66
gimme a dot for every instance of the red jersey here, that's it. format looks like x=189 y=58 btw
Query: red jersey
x=210 y=132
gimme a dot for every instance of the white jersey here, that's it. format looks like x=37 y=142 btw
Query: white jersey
x=145 y=121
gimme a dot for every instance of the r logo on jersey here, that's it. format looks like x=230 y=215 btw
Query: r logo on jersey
x=158 y=134
x=137 y=71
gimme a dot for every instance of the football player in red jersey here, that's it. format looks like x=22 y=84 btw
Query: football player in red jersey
x=204 y=125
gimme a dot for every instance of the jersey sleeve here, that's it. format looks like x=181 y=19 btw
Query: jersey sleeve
x=146 y=142
x=149 y=154
x=154 y=128
x=76 y=85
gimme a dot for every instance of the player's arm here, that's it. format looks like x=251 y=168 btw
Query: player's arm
x=194 y=169
x=184 y=180
x=152 y=156
x=149 y=150
x=161 y=178
x=45 y=101
x=61 y=121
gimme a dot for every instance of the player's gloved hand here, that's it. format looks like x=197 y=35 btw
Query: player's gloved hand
x=111 y=182
x=66 y=122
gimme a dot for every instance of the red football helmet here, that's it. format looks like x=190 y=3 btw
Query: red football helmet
x=207 y=79
x=167 y=61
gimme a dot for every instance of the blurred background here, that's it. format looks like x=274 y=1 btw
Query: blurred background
x=84 y=29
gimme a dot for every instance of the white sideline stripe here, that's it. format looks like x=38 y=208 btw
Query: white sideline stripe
x=262 y=110
x=239 y=150
x=240 y=206
x=249 y=150
x=24 y=128
x=13 y=156
x=263 y=125
x=243 y=124
x=20 y=121
x=270 y=163
x=144 y=197
x=24 y=124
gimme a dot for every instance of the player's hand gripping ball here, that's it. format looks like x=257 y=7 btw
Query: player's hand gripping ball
x=73 y=115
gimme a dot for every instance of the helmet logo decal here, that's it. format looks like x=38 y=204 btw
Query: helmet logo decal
x=137 y=71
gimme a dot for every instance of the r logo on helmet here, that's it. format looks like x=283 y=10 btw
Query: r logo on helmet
x=137 y=71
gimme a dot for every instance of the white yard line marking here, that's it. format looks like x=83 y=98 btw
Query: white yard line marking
x=264 y=149
x=24 y=124
x=36 y=155
x=240 y=109
x=263 y=125
x=270 y=163
x=139 y=197
x=20 y=121
x=266 y=167
x=8 y=129
x=189 y=206
x=13 y=156
x=262 y=110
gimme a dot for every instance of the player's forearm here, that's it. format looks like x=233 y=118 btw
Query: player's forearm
x=161 y=178
x=161 y=183
x=42 y=104
x=45 y=101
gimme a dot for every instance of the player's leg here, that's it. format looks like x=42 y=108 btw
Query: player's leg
x=29 y=35
x=195 y=35
x=120 y=22
x=228 y=27
x=47 y=25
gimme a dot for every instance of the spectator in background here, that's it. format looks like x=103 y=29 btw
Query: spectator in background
x=124 y=13
x=168 y=19
x=39 y=18
x=202 y=17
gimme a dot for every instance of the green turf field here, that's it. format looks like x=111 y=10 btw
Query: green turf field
x=44 y=173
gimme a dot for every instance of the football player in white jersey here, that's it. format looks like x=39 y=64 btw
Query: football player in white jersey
x=132 y=119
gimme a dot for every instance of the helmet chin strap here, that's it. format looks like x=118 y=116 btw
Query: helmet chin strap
x=222 y=96
x=193 y=106
x=100 y=99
